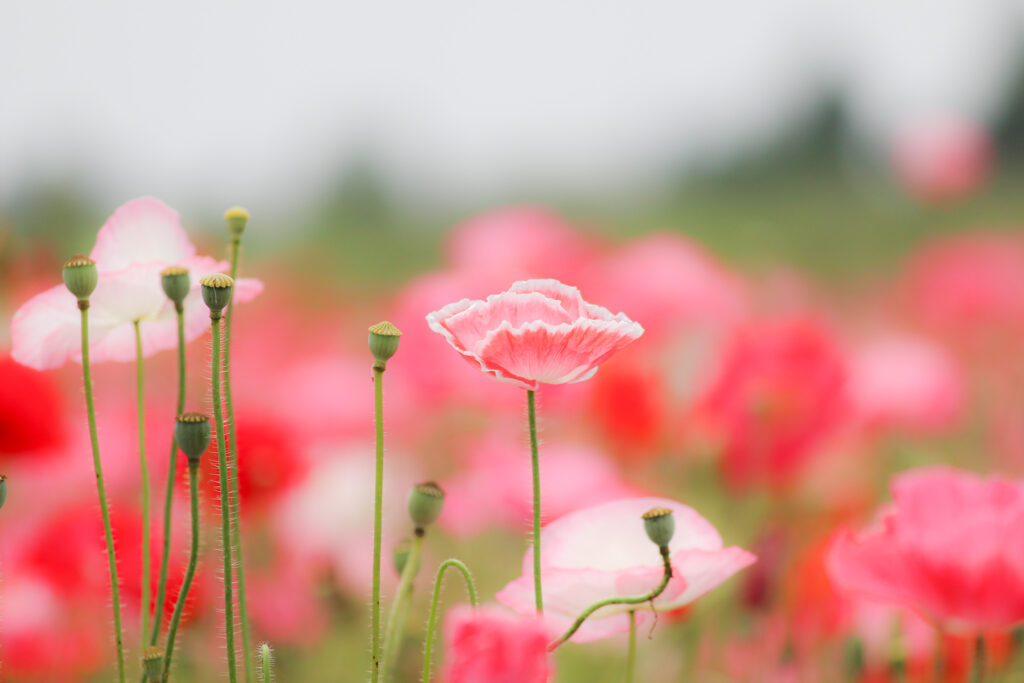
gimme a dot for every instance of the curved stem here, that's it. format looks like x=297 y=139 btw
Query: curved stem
x=531 y=404
x=172 y=468
x=101 y=489
x=225 y=512
x=395 y=627
x=236 y=538
x=428 y=650
x=978 y=663
x=140 y=382
x=637 y=600
x=378 y=495
x=193 y=559
x=631 y=652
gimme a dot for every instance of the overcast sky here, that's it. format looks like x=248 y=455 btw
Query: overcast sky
x=260 y=102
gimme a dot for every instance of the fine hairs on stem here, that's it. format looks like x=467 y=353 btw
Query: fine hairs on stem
x=428 y=647
x=266 y=664
x=236 y=219
x=140 y=379
x=193 y=559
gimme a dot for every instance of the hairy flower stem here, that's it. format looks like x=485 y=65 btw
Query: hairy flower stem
x=637 y=600
x=631 y=652
x=101 y=489
x=193 y=559
x=428 y=649
x=266 y=669
x=225 y=490
x=531 y=409
x=236 y=538
x=978 y=663
x=172 y=468
x=140 y=384
x=378 y=496
x=395 y=628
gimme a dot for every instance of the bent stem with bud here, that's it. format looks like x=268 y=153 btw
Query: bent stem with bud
x=428 y=648
x=192 y=432
x=425 y=504
x=176 y=285
x=236 y=218
x=660 y=526
x=217 y=295
x=81 y=278
x=383 y=341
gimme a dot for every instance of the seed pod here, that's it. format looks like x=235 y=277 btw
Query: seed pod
x=192 y=431
x=81 y=276
x=660 y=525
x=425 y=503
x=383 y=339
x=217 y=293
x=176 y=283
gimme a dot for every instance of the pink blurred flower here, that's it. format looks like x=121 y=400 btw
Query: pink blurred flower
x=537 y=331
x=495 y=488
x=518 y=243
x=667 y=283
x=489 y=645
x=942 y=159
x=778 y=393
x=951 y=546
x=603 y=551
x=136 y=243
x=904 y=382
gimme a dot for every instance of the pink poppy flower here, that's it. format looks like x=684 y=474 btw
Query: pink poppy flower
x=778 y=394
x=603 y=551
x=902 y=382
x=136 y=243
x=489 y=645
x=950 y=546
x=537 y=331
x=942 y=159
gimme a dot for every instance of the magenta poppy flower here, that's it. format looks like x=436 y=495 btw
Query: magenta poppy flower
x=537 y=331
x=950 y=546
x=603 y=551
x=136 y=243
x=489 y=645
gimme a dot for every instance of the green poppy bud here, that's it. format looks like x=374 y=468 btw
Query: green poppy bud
x=425 y=504
x=236 y=218
x=217 y=293
x=660 y=525
x=384 y=338
x=192 y=431
x=176 y=284
x=400 y=555
x=81 y=276
x=153 y=663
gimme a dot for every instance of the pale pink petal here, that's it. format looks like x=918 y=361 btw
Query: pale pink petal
x=144 y=230
x=470 y=326
x=569 y=297
x=46 y=330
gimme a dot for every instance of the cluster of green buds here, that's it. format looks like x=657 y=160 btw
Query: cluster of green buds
x=193 y=432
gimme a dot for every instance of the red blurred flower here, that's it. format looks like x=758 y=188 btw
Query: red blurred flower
x=777 y=395
x=32 y=419
x=628 y=403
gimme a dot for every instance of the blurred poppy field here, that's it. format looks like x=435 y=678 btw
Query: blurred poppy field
x=811 y=353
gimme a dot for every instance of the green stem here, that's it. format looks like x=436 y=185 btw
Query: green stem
x=395 y=628
x=631 y=652
x=193 y=559
x=140 y=383
x=435 y=598
x=236 y=538
x=378 y=496
x=978 y=663
x=636 y=600
x=101 y=489
x=172 y=468
x=266 y=672
x=225 y=512
x=531 y=403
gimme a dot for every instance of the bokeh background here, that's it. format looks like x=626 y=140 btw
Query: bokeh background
x=833 y=186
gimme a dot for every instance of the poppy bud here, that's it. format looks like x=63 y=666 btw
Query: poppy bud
x=192 y=431
x=217 y=293
x=384 y=338
x=81 y=276
x=236 y=218
x=153 y=663
x=176 y=283
x=660 y=525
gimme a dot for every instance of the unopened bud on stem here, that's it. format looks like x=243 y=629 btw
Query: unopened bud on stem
x=176 y=283
x=384 y=338
x=192 y=431
x=425 y=503
x=217 y=293
x=81 y=276
x=660 y=526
